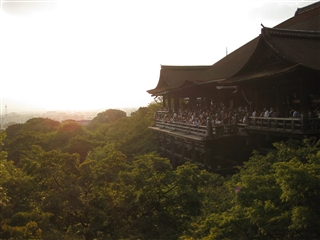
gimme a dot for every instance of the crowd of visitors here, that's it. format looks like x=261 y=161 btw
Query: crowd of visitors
x=219 y=114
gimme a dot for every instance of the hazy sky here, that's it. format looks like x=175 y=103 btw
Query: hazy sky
x=94 y=54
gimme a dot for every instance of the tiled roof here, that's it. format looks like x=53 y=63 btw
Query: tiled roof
x=307 y=18
x=291 y=45
x=297 y=46
x=173 y=77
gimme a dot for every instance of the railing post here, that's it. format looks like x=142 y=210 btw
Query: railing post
x=235 y=125
x=303 y=122
x=209 y=128
x=173 y=153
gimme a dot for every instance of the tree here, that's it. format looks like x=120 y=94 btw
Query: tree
x=21 y=137
x=43 y=125
x=108 y=116
x=55 y=190
x=15 y=222
x=81 y=144
x=272 y=197
x=132 y=135
x=155 y=202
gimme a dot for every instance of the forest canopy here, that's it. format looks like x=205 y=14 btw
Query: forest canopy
x=106 y=181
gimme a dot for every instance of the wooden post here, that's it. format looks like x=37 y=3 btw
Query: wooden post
x=303 y=122
x=176 y=104
x=164 y=101
x=165 y=144
x=173 y=155
x=169 y=103
x=183 y=150
x=304 y=100
x=193 y=152
x=209 y=128
x=159 y=141
x=279 y=104
x=193 y=101
x=207 y=156
x=208 y=102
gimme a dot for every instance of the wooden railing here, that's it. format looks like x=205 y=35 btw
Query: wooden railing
x=284 y=125
x=299 y=125
x=197 y=130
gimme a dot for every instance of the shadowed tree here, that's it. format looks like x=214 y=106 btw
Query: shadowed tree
x=275 y=196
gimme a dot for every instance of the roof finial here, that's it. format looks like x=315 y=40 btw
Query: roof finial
x=262 y=25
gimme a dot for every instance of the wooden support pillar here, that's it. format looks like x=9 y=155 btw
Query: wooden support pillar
x=183 y=150
x=173 y=155
x=208 y=102
x=176 y=104
x=193 y=101
x=279 y=104
x=209 y=128
x=202 y=102
x=194 y=157
x=164 y=101
x=304 y=101
x=165 y=144
x=159 y=141
x=169 y=103
x=303 y=122
x=256 y=101
x=208 y=155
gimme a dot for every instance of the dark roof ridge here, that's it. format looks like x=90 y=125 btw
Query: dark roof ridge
x=185 y=66
x=290 y=32
x=307 y=8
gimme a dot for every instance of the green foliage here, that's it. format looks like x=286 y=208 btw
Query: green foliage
x=20 y=137
x=140 y=139
x=272 y=197
x=131 y=135
x=23 y=141
x=15 y=222
x=154 y=201
x=108 y=116
x=104 y=181
x=81 y=144
x=67 y=130
x=43 y=125
x=12 y=130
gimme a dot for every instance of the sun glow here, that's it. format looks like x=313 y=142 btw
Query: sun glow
x=106 y=54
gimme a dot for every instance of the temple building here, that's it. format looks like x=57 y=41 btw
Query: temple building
x=277 y=73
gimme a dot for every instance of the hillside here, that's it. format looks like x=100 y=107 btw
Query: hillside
x=105 y=180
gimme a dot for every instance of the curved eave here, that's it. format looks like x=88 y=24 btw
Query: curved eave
x=176 y=77
x=165 y=91
x=294 y=46
x=266 y=75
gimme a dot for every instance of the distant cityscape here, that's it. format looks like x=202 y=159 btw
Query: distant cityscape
x=84 y=117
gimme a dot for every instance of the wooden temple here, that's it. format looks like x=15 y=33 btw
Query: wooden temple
x=278 y=71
